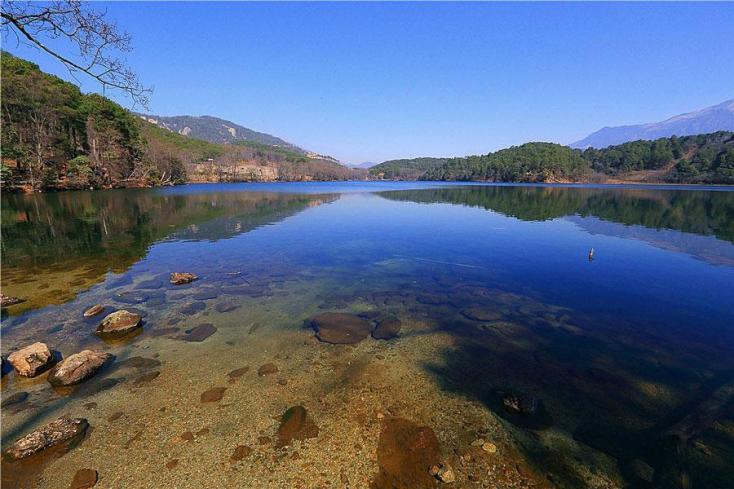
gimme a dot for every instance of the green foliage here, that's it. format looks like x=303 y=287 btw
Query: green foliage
x=413 y=169
x=61 y=138
x=705 y=158
x=6 y=174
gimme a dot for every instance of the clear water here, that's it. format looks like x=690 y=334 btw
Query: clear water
x=629 y=356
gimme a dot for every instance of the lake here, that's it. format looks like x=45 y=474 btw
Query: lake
x=472 y=328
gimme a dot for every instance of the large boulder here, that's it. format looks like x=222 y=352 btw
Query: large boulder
x=181 y=278
x=340 y=328
x=119 y=323
x=77 y=368
x=31 y=360
x=55 y=433
x=405 y=454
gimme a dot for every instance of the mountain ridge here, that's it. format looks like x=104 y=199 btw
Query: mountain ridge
x=719 y=117
x=216 y=130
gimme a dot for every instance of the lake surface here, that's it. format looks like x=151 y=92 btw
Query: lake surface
x=616 y=371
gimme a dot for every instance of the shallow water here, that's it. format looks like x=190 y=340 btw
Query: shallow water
x=626 y=360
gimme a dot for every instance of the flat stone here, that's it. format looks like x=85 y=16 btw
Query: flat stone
x=213 y=395
x=55 y=433
x=93 y=311
x=181 y=278
x=84 y=479
x=267 y=369
x=482 y=314
x=340 y=328
x=206 y=295
x=172 y=464
x=405 y=453
x=78 y=367
x=119 y=323
x=16 y=398
x=145 y=378
x=387 y=329
x=295 y=424
x=31 y=360
x=193 y=308
x=237 y=373
x=225 y=307
x=198 y=333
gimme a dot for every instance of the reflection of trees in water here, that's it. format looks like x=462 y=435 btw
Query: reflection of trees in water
x=56 y=245
x=692 y=211
x=45 y=229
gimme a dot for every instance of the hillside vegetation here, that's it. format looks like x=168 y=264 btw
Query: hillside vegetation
x=55 y=137
x=705 y=158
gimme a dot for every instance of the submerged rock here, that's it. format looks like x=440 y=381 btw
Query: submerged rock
x=213 y=395
x=93 y=311
x=55 y=433
x=181 y=278
x=267 y=369
x=482 y=314
x=198 y=333
x=240 y=452
x=16 y=398
x=387 y=329
x=295 y=424
x=119 y=323
x=340 y=328
x=193 y=308
x=444 y=473
x=84 y=479
x=520 y=404
x=405 y=454
x=78 y=367
x=31 y=360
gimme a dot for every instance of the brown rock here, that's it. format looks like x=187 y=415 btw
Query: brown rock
x=199 y=333
x=267 y=369
x=387 y=329
x=181 y=278
x=77 y=367
x=237 y=373
x=93 y=311
x=31 y=360
x=263 y=440
x=171 y=464
x=240 y=452
x=213 y=395
x=295 y=424
x=187 y=436
x=16 y=398
x=84 y=479
x=340 y=328
x=55 y=433
x=405 y=454
x=119 y=323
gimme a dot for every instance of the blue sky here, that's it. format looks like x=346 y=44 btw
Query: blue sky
x=374 y=81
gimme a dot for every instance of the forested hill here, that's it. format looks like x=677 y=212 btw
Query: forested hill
x=55 y=137
x=705 y=158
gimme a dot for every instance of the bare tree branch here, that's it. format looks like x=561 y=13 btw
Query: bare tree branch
x=86 y=31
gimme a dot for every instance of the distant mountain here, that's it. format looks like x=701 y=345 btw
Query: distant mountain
x=216 y=130
x=365 y=165
x=711 y=119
